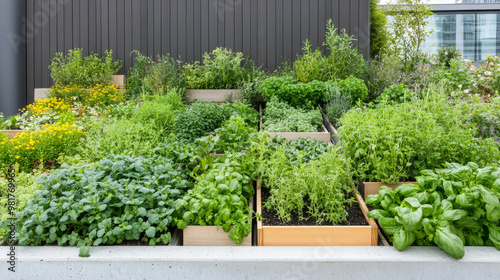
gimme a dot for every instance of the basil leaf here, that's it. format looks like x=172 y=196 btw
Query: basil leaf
x=449 y=242
x=403 y=239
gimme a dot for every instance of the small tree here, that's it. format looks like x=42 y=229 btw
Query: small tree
x=408 y=30
x=378 y=29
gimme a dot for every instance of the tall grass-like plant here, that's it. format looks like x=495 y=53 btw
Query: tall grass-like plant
x=337 y=104
x=150 y=77
x=221 y=69
x=344 y=59
x=73 y=69
x=310 y=65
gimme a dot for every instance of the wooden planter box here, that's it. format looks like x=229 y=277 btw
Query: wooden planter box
x=11 y=133
x=317 y=235
x=367 y=188
x=323 y=135
x=213 y=95
x=211 y=236
x=40 y=93
x=329 y=127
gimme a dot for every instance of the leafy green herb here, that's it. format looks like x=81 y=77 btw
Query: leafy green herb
x=452 y=208
x=281 y=117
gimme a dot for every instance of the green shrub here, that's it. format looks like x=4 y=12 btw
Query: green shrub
x=201 y=118
x=161 y=112
x=344 y=60
x=337 y=104
x=221 y=69
x=310 y=65
x=354 y=88
x=74 y=70
x=456 y=77
x=123 y=136
x=148 y=77
x=378 y=29
x=394 y=143
x=395 y=94
x=299 y=95
x=121 y=199
x=25 y=188
x=281 y=117
x=445 y=54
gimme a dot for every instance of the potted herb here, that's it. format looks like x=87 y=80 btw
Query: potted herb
x=219 y=78
x=280 y=119
x=452 y=207
x=307 y=200
x=86 y=72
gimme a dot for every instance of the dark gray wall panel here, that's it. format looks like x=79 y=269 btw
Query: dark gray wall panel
x=13 y=51
x=265 y=30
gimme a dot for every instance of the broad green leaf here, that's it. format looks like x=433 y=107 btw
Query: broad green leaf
x=97 y=242
x=453 y=215
x=390 y=225
x=413 y=220
x=448 y=188
x=449 y=242
x=39 y=230
x=494 y=235
x=372 y=199
x=464 y=200
x=100 y=232
x=427 y=210
x=407 y=190
x=142 y=212
x=489 y=198
x=378 y=214
x=84 y=252
x=150 y=232
x=492 y=213
x=411 y=201
x=403 y=239
x=428 y=227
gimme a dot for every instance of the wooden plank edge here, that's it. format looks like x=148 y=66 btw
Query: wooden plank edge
x=260 y=237
x=370 y=221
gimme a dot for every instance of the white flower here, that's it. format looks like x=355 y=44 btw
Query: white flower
x=482 y=78
x=466 y=91
x=487 y=73
x=459 y=86
x=445 y=53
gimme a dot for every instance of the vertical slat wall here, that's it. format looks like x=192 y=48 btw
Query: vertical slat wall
x=266 y=30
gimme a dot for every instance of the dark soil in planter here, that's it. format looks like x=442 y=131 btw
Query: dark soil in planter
x=270 y=218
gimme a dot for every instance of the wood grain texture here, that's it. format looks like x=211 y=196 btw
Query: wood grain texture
x=374 y=187
x=210 y=236
x=213 y=95
x=316 y=235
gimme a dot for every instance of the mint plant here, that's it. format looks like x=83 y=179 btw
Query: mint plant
x=122 y=198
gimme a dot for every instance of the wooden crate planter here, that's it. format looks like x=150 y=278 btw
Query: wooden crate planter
x=317 y=235
x=367 y=188
x=11 y=133
x=211 y=236
x=40 y=93
x=323 y=135
x=214 y=95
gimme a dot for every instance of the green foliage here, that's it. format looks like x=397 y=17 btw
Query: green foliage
x=220 y=198
x=301 y=150
x=25 y=188
x=200 y=118
x=321 y=187
x=453 y=207
x=337 y=104
x=120 y=137
x=344 y=60
x=455 y=77
x=74 y=70
x=161 y=112
x=408 y=31
x=281 y=117
x=447 y=53
x=234 y=136
x=250 y=88
x=395 y=142
x=395 y=94
x=353 y=87
x=378 y=29
x=299 y=95
x=123 y=198
x=221 y=69
x=148 y=77
x=310 y=65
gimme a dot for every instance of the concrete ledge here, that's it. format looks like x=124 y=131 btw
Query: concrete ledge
x=170 y=262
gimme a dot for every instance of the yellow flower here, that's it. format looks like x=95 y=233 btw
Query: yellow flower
x=18 y=157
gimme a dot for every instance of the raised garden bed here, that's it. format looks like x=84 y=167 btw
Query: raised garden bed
x=211 y=235
x=40 y=93
x=213 y=95
x=367 y=188
x=322 y=135
x=11 y=133
x=314 y=235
